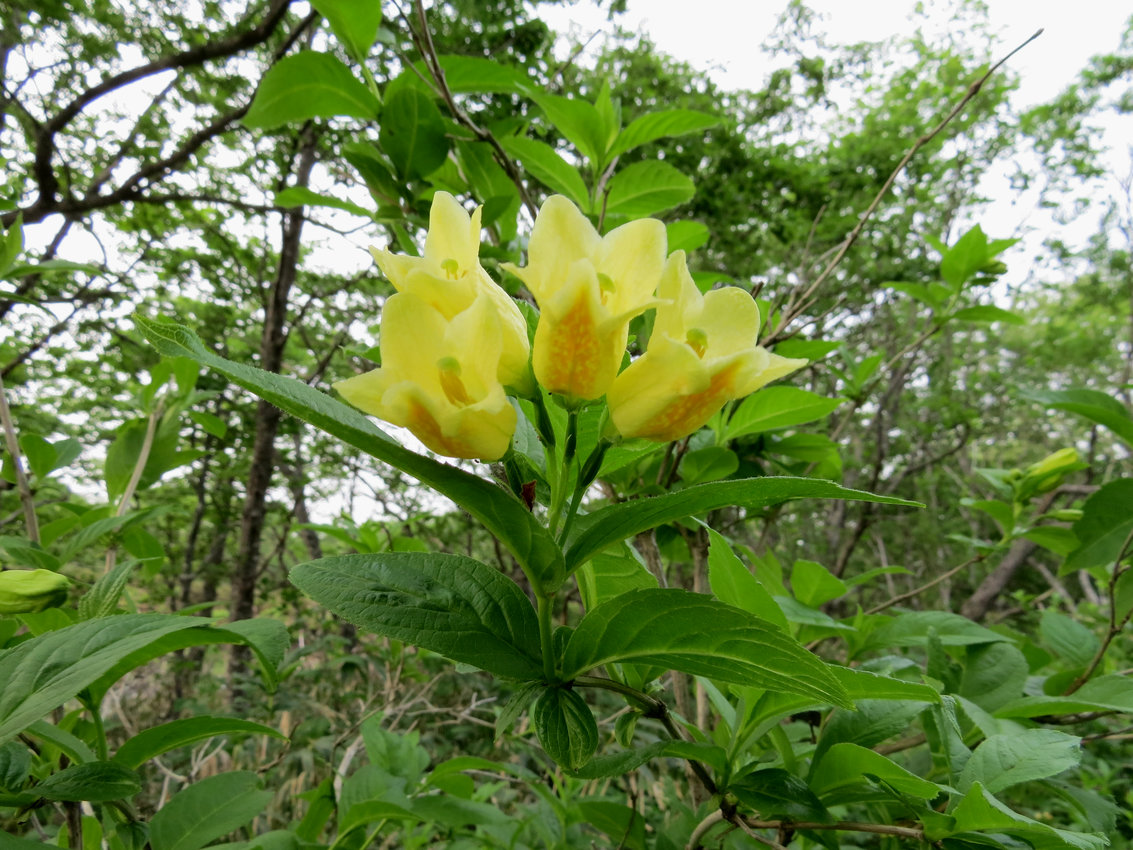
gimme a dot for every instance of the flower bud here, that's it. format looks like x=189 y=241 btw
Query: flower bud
x=30 y=591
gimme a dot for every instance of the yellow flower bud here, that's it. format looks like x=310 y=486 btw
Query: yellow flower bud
x=588 y=287
x=439 y=378
x=449 y=277
x=702 y=353
x=29 y=591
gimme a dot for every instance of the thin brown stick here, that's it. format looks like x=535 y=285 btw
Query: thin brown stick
x=808 y=296
x=1115 y=627
x=26 y=497
x=424 y=41
x=901 y=597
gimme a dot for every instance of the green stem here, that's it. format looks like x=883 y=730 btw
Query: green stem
x=546 y=636
x=100 y=744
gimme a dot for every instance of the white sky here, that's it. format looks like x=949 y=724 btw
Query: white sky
x=724 y=36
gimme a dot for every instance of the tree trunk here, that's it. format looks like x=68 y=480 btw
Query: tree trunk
x=272 y=342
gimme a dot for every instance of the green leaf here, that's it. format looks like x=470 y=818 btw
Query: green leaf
x=618 y=522
x=565 y=726
x=815 y=585
x=645 y=188
x=733 y=583
x=209 y=423
x=708 y=464
x=95 y=782
x=619 y=822
x=969 y=255
x=268 y=639
x=413 y=133
x=872 y=722
x=1068 y=638
x=578 y=121
x=666 y=627
x=1002 y=512
x=505 y=516
x=775 y=793
x=1061 y=541
x=1092 y=404
x=979 y=811
x=778 y=407
x=299 y=196
x=15 y=765
x=619 y=764
x=179 y=733
x=308 y=85
x=988 y=313
x=465 y=74
x=102 y=599
x=205 y=811
x=1105 y=527
x=851 y=773
x=611 y=574
x=515 y=707
x=863 y=684
x=354 y=22
x=994 y=674
x=44 y=672
x=452 y=605
x=658 y=125
x=685 y=235
x=1002 y=761
x=546 y=166
x=915 y=627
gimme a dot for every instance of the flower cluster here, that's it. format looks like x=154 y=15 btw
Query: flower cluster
x=453 y=343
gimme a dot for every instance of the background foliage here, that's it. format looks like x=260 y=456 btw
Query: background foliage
x=225 y=164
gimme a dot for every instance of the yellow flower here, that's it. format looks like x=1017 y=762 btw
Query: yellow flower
x=588 y=288
x=450 y=277
x=702 y=353
x=439 y=378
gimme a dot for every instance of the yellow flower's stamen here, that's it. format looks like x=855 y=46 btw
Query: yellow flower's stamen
x=698 y=341
x=605 y=286
x=449 y=370
x=451 y=269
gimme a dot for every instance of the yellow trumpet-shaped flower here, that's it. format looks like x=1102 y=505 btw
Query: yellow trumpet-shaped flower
x=449 y=277
x=702 y=353
x=588 y=288
x=439 y=378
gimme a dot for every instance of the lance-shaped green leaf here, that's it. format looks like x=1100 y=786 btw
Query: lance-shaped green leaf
x=1105 y=527
x=268 y=640
x=545 y=165
x=775 y=793
x=659 y=125
x=413 y=132
x=565 y=726
x=309 y=85
x=851 y=773
x=44 y=672
x=95 y=782
x=979 y=811
x=645 y=188
x=502 y=514
x=700 y=636
x=621 y=521
x=1092 y=404
x=449 y=604
x=203 y=812
x=179 y=733
x=1002 y=761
